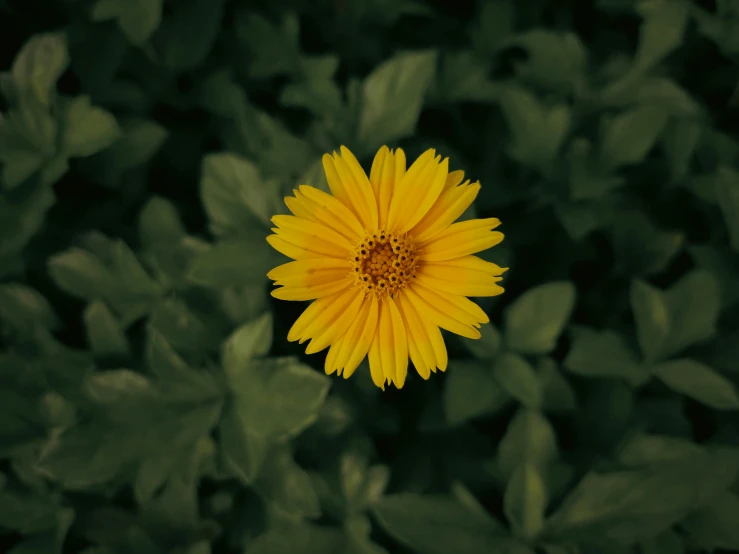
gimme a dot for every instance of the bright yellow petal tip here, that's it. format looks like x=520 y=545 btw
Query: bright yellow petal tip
x=385 y=264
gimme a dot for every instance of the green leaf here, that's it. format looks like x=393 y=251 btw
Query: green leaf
x=538 y=131
x=160 y=223
x=557 y=393
x=234 y=195
x=104 y=332
x=588 y=177
x=187 y=35
x=299 y=537
x=669 y=322
x=137 y=19
x=235 y=262
x=525 y=501
x=472 y=391
x=243 y=451
x=715 y=526
x=86 y=129
x=535 y=320
x=22 y=308
x=661 y=32
x=641 y=248
x=555 y=60
x=251 y=340
x=439 y=525
x=392 y=96
x=516 y=377
x=487 y=346
x=727 y=190
x=287 y=487
x=668 y=542
x=680 y=142
x=604 y=354
x=278 y=398
x=275 y=49
x=628 y=137
x=28 y=512
x=629 y=506
x=644 y=450
x=139 y=141
x=38 y=66
x=529 y=438
x=699 y=382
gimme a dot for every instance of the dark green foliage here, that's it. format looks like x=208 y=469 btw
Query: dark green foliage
x=149 y=400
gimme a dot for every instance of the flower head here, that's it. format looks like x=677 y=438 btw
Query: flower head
x=385 y=263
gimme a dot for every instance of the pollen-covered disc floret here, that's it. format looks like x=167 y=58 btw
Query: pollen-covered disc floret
x=383 y=263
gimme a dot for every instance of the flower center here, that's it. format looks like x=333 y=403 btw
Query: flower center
x=384 y=263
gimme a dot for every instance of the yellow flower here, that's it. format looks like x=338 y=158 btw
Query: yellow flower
x=385 y=263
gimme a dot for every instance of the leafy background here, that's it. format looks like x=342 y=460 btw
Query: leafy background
x=149 y=400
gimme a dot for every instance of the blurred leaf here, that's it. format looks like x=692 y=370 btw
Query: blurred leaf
x=438 y=525
x=644 y=450
x=286 y=486
x=104 y=332
x=243 y=451
x=139 y=141
x=661 y=32
x=727 y=189
x=628 y=137
x=464 y=77
x=120 y=279
x=588 y=177
x=159 y=222
x=668 y=322
x=668 y=542
x=529 y=438
x=525 y=501
x=250 y=341
x=38 y=66
x=22 y=308
x=557 y=393
x=715 y=526
x=185 y=38
x=628 y=506
x=538 y=131
x=299 y=537
x=554 y=60
x=641 y=248
x=392 y=96
x=517 y=378
x=492 y=26
x=137 y=19
x=274 y=48
x=680 y=142
x=604 y=354
x=278 y=398
x=487 y=346
x=86 y=129
x=700 y=382
x=234 y=195
x=535 y=320
x=240 y=261
x=472 y=391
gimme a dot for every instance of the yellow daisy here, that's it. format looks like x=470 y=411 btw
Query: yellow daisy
x=385 y=264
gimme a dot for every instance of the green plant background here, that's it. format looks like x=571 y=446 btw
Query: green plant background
x=149 y=400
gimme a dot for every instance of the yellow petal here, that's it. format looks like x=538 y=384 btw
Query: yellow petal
x=312 y=230
x=311 y=292
x=291 y=250
x=453 y=179
x=419 y=343
x=387 y=169
x=309 y=315
x=306 y=208
x=415 y=196
x=450 y=205
x=453 y=305
x=333 y=205
x=464 y=282
x=389 y=350
x=349 y=351
x=362 y=185
x=462 y=239
x=311 y=271
x=400 y=199
x=437 y=342
x=436 y=316
x=337 y=186
x=473 y=262
x=334 y=323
